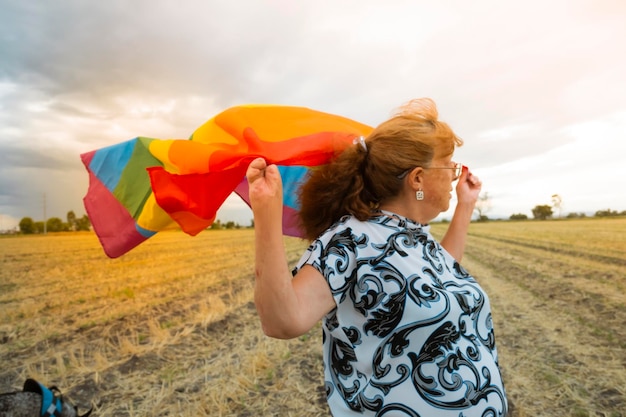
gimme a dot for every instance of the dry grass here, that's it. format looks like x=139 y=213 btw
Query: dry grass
x=170 y=328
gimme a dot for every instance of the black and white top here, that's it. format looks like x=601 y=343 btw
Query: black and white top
x=412 y=333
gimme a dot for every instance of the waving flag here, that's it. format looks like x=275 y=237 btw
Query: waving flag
x=140 y=187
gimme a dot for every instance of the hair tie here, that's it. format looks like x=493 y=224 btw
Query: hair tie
x=361 y=140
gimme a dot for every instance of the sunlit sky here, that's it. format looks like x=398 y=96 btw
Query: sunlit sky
x=537 y=89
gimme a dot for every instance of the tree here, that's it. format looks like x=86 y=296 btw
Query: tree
x=27 y=226
x=576 y=215
x=83 y=223
x=54 y=224
x=39 y=226
x=606 y=213
x=71 y=220
x=557 y=201
x=518 y=216
x=483 y=205
x=542 y=212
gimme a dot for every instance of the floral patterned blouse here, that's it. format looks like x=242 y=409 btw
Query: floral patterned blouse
x=412 y=333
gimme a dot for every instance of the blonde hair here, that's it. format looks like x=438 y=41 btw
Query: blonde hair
x=359 y=179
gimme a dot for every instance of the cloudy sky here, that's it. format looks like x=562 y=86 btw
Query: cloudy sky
x=537 y=89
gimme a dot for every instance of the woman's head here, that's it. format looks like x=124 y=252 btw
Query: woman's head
x=412 y=137
x=361 y=178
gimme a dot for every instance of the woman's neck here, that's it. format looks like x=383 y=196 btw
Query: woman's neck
x=404 y=210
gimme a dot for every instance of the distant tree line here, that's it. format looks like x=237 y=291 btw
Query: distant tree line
x=544 y=211
x=609 y=213
x=218 y=225
x=73 y=223
x=540 y=212
x=54 y=224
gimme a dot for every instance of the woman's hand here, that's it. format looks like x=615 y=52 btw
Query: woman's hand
x=265 y=187
x=467 y=191
x=468 y=187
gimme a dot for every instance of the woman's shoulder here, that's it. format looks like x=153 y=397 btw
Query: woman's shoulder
x=386 y=223
x=346 y=222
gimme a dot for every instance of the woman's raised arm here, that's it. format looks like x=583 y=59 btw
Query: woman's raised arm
x=288 y=307
x=467 y=191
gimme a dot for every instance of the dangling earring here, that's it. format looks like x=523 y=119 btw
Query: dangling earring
x=419 y=195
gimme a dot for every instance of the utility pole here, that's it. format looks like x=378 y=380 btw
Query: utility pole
x=45 y=231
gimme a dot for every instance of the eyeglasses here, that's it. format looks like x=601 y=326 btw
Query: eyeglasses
x=458 y=169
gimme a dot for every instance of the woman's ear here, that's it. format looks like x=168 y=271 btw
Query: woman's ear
x=416 y=178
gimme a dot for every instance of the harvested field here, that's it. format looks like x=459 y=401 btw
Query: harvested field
x=558 y=291
x=170 y=328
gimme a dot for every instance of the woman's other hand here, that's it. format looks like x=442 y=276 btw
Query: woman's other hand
x=468 y=187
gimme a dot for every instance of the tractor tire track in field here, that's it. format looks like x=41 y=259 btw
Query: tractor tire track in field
x=554 y=336
x=589 y=292
x=619 y=261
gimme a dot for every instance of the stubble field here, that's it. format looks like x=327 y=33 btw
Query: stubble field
x=170 y=328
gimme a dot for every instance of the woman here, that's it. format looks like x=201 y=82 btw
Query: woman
x=407 y=331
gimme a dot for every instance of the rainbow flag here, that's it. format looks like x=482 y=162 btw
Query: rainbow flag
x=140 y=187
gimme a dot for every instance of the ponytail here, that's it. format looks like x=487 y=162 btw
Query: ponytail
x=334 y=190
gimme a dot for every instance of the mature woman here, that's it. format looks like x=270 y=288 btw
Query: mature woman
x=407 y=331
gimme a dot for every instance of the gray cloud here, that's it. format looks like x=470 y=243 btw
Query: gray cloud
x=23 y=157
